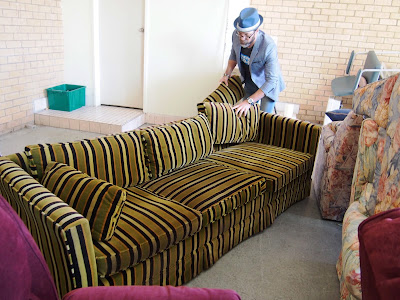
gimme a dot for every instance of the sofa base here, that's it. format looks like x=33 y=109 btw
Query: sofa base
x=187 y=259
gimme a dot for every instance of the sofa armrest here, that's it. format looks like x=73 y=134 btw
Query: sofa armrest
x=62 y=234
x=21 y=160
x=379 y=237
x=289 y=133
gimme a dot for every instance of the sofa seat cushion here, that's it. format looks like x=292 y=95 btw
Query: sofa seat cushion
x=210 y=188
x=277 y=165
x=148 y=225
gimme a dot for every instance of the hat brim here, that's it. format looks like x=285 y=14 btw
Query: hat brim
x=236 y=22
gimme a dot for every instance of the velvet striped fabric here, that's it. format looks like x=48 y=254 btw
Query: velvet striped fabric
x=227 y=94
x=252 y=218
x=149 y=224
x=226 y=126
x=97 y=200
x=277 y=165
x=288 y=133
x=22 y=160
x=175 y=145
x=173 y=266
x=118 y=159
x=180 y=263
x=60 y=232
x=210 y=188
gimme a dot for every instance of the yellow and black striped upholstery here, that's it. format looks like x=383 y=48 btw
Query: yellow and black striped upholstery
x=149 y=224
x=175 y=145
x=210 y=188
x=97 y=200
x=288 y=133
x=251 y=218
x=22 y=160
x=226 y=126
x=277 y=165
x=227 y=94
x=174 y=266
x=62 y=234
x=118 y=159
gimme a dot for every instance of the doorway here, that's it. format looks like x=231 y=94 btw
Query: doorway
x=121 y=41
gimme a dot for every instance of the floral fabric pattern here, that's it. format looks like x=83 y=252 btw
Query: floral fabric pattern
x=373 y=100
x=348 y=265
x=388 y=190
x=376 y=180
x=334 y=166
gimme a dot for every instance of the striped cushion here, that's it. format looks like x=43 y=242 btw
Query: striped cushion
x=98 y=201
x=20 y=159
x=227 y=127
x=210 y=188
x=175 y=145
x=118 y=159
x=227 y=94
x=277 y=165
x=148 y=225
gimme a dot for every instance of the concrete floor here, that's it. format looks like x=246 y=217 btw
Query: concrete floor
x=293 y=259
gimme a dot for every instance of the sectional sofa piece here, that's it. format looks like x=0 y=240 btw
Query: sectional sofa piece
x=157 y=206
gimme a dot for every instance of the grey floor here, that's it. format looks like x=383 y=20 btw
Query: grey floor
x=293 y=259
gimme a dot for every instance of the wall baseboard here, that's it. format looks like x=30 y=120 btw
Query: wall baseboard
x=40 y=104
x=158 y=119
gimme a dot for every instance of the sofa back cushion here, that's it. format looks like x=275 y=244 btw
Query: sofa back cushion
x=118 y=159
x=226 y=126
x=231 y=93
x=388 y=188
x=98 y=201
x=178 y=144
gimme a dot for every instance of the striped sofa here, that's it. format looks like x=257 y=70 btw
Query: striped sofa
x=159 y=205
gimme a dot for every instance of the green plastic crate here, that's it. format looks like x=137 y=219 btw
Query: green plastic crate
x=66 y=97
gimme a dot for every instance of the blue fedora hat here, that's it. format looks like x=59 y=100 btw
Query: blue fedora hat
x=248 y=20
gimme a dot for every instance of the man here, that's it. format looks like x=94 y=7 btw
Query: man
x=256 y=55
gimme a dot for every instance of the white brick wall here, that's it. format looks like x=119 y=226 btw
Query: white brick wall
x=315 y=39
x=31 y=57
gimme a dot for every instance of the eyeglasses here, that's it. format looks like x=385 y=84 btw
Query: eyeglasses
x=244 y=36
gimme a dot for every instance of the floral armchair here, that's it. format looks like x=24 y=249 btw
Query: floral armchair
x=375 y=186
x=334 y=166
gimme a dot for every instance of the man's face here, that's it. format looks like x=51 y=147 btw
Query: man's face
x=246 y=38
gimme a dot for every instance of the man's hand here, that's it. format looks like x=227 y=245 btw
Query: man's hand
x=224 y=79
x=242 y=108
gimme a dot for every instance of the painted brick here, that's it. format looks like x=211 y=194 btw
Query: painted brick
x=325 y=33
x=31 y=57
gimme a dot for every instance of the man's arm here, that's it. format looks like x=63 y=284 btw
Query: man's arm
x=228 y=71
x=271 y=68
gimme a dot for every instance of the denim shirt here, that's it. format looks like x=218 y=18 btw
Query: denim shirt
x=264 y=65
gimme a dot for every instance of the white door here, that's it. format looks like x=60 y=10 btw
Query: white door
x=121 y=36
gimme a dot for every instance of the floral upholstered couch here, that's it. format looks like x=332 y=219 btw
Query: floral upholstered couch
x=157 y=206
x=334 y=166
x=376 y=179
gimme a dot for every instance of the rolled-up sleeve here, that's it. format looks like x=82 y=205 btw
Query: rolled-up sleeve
x=271 y=69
